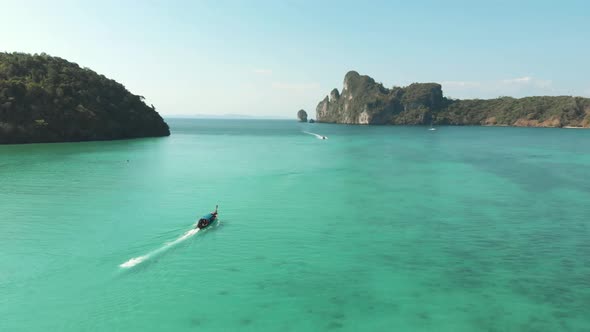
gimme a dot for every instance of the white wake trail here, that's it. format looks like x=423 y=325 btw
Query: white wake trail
x=137 y=260
x=316 y=135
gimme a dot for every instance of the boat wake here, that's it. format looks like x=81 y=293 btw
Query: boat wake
x=316 y=135
x=137 y=260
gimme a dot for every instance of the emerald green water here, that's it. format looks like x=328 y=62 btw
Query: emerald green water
x=374 y=229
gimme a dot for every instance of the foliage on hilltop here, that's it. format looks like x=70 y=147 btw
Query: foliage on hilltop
x=49 y=99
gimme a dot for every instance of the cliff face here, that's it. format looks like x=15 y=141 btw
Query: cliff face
x=363 y=101
x=48 y=99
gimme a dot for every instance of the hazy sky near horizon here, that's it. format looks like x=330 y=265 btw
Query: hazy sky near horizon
x=273 y=58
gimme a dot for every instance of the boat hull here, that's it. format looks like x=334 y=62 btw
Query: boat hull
x=206 y=220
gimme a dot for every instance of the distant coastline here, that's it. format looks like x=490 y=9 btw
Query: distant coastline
x=226 y=116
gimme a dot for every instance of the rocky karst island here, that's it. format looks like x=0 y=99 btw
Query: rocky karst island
x=364 y=101
x=302 y=116
x=48 y=99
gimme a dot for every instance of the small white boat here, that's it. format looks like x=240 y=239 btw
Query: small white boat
x=431 y=126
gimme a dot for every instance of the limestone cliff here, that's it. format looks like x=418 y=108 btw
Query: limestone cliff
x=363 y=101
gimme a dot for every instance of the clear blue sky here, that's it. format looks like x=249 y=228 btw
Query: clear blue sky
x=275 y=57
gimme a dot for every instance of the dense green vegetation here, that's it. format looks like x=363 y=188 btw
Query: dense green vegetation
x=530 y=111
x=363 y=101
x=48 y=99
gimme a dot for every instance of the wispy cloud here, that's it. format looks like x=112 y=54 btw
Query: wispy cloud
x=518 y=86
x=527 y=80
x=262 y=71
x=299 y=87
x=518 y=80
x=461 y=84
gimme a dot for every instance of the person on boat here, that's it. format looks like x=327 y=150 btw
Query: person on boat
x=204 y=222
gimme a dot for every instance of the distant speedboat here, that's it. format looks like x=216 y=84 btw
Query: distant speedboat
x=316 y=135
x=207 y=219
x=431 y=126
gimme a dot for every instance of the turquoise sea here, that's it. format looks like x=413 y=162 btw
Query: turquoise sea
x=374 y=229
